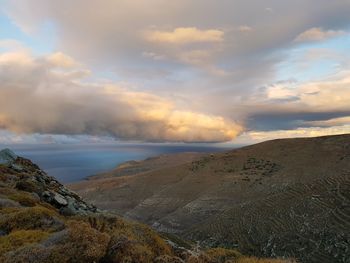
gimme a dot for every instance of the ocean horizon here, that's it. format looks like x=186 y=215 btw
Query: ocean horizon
x=75 y=162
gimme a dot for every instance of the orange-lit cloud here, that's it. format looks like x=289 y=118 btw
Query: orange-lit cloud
x=318 y=34
x=185 y=35
x=35 y=98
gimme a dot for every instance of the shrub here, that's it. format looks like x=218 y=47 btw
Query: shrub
x=168 y=259
x=138 y=235
x=125 y=250
x=29 y=186
x=82 y=244
x=221 y=255
x=263 y=260
x=31 y=218
x=79 y=244
x=31 y=253
x=20 y=238
x=24 y=198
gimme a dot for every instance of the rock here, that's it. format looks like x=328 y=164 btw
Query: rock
x=17 y=168
x=36 y=197
x=64 y=191
x=46 y=194
x=83 y=206
x=55 y=238
x=59 y=199
x=68 y=211
x=7 y=157
x=4 y=202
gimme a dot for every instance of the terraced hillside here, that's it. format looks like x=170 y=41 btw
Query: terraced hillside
x=277 y=198
x=306 y=221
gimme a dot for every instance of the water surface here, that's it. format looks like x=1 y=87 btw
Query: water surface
x=72 y=162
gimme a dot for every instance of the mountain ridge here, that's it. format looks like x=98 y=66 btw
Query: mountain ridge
x=198 y=200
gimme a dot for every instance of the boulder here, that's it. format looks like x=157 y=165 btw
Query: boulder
x=59 y=199
x=68 y=211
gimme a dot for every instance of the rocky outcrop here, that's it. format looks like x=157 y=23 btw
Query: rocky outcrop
x=7 y=156
x=30 y=178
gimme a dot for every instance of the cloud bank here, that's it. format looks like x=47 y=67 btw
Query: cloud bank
x=48 y=95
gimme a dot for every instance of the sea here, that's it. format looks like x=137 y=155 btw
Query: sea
x=75 y=162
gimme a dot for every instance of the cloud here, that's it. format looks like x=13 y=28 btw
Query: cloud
x=228 y=66
x=245 y=29
x=318 y=34
x=113 y=32
x=260 y=136
x=280 y=92
x=330 y=94
x=59 y=59
x=331 y=122
x=35 y=98
x=293 y=105
x=185 y=35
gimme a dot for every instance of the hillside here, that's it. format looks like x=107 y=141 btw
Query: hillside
x=149 y=164
x=41 y=221
x=278 y=198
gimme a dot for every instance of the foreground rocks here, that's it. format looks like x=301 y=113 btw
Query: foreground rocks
x=35 y=181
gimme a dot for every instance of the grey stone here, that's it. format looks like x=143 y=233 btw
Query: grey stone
x=7 y=157
x=36 y=196
x=64 y=191
x=68 y=211
x=17 y=167
x=46 y=194
x=55 y=238
x=83 y=206
x=4 y=202
x=59 y=199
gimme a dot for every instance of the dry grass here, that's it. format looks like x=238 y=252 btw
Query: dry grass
x=262 y=260
x=20 y=238
x=25 y=199
x=81 y=244
x=130 y=242
x=222 y=254
x=30 y=218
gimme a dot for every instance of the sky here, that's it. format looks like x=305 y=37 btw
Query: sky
x=189 y=71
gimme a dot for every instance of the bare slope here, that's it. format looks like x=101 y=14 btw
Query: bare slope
x=282 y=197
